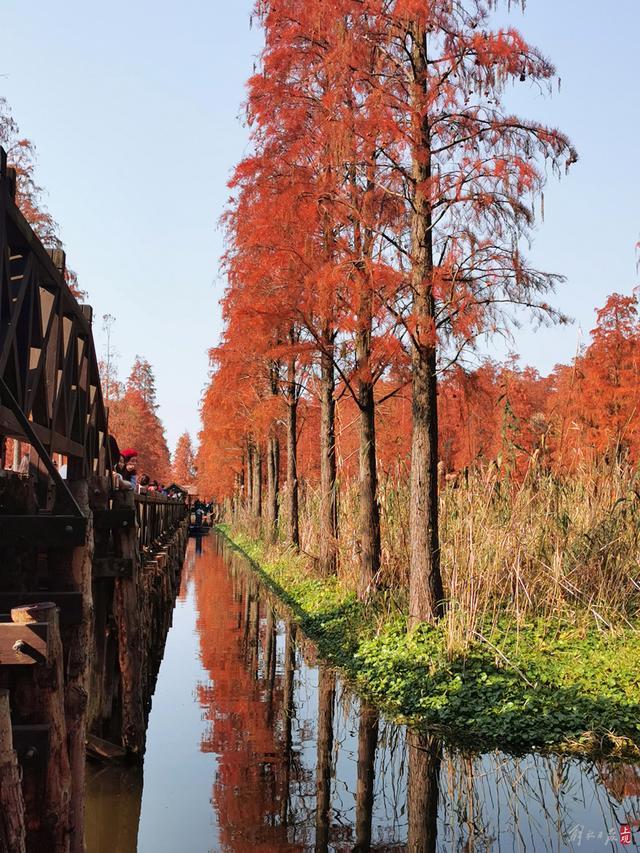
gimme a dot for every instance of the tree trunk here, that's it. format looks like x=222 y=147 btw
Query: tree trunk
x=426 y=598
x=237 y=495
x=249 y=492
x=256 y=480
x=273 y=484
x=369 y=509
x=328 y=497
x=293 y=520
x=425 y=755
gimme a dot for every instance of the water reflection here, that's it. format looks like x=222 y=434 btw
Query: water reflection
x=295 y=761
x=113 y=790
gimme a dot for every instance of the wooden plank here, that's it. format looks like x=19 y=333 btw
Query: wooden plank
x=70 y=603
x=32 y=744
x=114 y=519
x=22 y=645
x=43 y=530
x=112 y=567
x=62 y=444
x=104 y=750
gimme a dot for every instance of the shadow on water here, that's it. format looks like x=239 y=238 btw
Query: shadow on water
x=255 y=745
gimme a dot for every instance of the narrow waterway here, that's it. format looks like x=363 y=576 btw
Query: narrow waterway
x=254 y=745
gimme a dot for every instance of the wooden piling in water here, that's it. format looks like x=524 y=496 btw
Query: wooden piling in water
x=127 y=614
x=72 y=569
x=12 y=829
x=40 y=699
x=90 y=668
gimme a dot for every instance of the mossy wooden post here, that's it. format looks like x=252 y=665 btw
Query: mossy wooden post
x=12 y=831
x=42 y=700
x=127 y=613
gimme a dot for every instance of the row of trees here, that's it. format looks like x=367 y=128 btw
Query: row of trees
x=581 y=412
x=501 y=413
x=374 y=234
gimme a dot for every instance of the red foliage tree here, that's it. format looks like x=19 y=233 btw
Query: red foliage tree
x=21 y=154
x=183 y=470
x=595 y=402
x=134 y=421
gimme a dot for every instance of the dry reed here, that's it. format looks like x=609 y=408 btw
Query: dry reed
x=543 y=546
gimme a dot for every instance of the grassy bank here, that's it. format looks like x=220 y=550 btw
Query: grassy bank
x=539 y=683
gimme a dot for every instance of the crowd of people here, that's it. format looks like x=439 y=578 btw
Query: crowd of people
x=127 y=477
x=125 y=472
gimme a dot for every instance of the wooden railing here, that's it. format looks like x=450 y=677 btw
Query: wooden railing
x=157 y=516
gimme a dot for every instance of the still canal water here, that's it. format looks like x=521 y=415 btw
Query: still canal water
x=254 y=745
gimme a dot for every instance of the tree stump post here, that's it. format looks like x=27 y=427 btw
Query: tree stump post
x=127 y=606
x=103 y=681
x=80 y=656
x=12 y=831
x=42 y=699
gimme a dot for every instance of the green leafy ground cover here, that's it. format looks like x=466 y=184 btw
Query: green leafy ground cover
x=546 y=685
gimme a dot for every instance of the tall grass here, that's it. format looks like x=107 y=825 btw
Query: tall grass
x=541 y=546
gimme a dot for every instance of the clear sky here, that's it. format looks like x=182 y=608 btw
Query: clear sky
x=134 y=107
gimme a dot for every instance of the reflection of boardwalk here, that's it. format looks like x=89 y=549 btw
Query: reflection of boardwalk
x=106 y=786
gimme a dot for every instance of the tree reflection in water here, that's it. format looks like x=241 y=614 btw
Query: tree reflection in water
x=302 y=764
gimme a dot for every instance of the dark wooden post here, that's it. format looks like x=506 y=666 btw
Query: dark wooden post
x=71 y=569
x=126 y=611
x=12 y=832
x=80 y=657
x=42 y=701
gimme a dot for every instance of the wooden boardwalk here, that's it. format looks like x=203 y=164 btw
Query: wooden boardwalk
x=88 y=577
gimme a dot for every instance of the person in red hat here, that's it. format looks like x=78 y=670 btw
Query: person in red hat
x=130 y=473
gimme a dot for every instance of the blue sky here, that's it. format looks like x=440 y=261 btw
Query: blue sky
x=134 y=108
